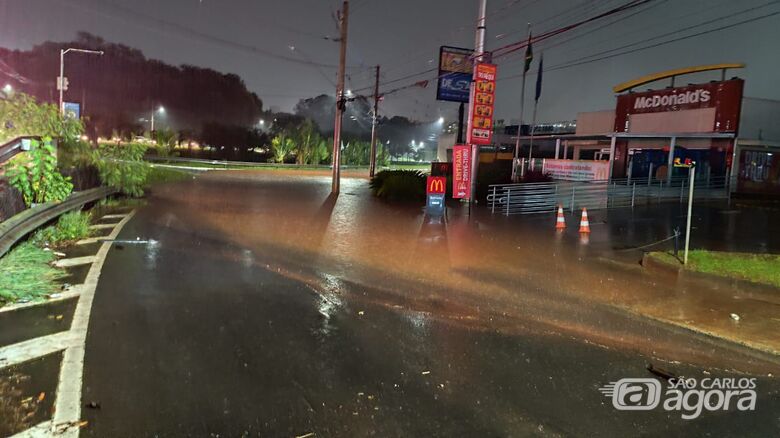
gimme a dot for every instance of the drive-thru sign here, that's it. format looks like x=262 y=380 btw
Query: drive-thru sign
x=461 y=172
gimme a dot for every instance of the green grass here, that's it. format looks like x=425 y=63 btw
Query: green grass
x=160 y=175
x=758 y=268
x=70 y=227
x=27 y=274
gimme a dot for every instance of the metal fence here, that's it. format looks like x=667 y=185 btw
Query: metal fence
x=530 y=198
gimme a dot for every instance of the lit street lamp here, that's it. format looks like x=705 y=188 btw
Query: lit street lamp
x=61 y=82
x=8 y=89
x=160 y=110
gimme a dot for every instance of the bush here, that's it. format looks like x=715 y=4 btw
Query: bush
x=122 y=166
x=36 y=175
x=71 y=227
x=399 y=185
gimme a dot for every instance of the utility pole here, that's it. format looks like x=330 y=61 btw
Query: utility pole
x=341 y=102
x=479 y=50
x=375 y=122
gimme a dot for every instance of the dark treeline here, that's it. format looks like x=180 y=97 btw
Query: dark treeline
x=121 y=87
x=119 y=90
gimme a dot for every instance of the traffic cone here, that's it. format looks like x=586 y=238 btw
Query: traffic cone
x=560 y=223
x=584 y=224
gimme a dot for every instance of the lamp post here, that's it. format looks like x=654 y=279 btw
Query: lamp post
x=61 y=82
x=160 y=110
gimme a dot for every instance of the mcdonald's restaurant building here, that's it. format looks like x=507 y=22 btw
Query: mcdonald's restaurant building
x=729 y=135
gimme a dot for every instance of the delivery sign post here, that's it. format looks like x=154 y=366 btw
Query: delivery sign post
x=436 y=189
x=461 y=172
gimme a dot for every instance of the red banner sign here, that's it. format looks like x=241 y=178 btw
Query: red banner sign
x=461 y=172
x=436 y=185
x=481 y=109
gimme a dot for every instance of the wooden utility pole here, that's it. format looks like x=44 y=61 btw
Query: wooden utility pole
x=374 y=123
x=341 y=101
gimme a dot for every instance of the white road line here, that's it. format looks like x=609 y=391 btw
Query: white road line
x=67 y=408
x=76 y=261
x=101 y=226
x=71 y=292
x=30 y=349
x=42 y=430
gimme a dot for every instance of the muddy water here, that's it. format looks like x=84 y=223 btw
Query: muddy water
x=488 y=272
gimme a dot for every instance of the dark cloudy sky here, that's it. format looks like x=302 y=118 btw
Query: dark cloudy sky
x=277 y=46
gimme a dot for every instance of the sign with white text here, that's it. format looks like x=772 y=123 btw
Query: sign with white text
x=577 y=170
x=480 y=130
x=461 y=172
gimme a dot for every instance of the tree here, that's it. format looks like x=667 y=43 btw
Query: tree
x=282 y=146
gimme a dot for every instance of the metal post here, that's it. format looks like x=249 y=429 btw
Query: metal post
x=650 y=175
x=573 y=188
x=151 y=128
x=522 y=103
x=479 y=49
x=633 y=195
x=612 y=146
x=62 y=81
x=682 y=190
x=690 y=210
x=493 y=203
x=557 y=147
x=374 y=122
x=670 y=161
x=340 y=100
x=461 y=115
x=508 y=199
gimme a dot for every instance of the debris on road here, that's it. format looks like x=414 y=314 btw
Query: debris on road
x=425 y=373
x=93 y=405
x=660 y=372
x=735 y=317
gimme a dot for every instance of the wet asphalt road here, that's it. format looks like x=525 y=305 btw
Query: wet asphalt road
x=208 y=332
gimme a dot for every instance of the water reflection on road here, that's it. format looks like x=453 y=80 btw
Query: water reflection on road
x=487 y=272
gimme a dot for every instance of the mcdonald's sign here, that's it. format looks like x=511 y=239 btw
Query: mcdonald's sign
x=436 y=185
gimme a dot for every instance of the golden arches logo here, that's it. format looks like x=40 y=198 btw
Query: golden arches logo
x=437 y=184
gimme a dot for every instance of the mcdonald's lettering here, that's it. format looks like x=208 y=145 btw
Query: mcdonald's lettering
x=437 y=185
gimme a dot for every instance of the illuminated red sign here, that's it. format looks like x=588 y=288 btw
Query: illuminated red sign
x=436 y=185
x=480 y=129
x=461 y=172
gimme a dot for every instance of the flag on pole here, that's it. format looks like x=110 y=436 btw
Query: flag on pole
x=529 y=54
x=539 y=78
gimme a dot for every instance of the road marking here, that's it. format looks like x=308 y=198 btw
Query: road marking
x=67 y=408
x=114 y=216
x=37 y=347
x=101 y=226
x=71 y=292
x=41 y=430
x=76 y=261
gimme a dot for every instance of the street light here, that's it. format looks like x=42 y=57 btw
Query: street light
x=8 y=89
x=160 y=110
x=61 y=82
x=441 y=120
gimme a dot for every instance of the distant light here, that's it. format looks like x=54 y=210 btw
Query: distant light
x=161 y=109
x=441 y=120
x=262 y=122
x=349 y=92
x=8 y=88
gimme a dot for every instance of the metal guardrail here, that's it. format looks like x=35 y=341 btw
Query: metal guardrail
x=13 y=147
x=22 y=224
x=530 y=198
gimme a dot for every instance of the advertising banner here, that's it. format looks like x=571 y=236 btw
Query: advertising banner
x=455 y=71
x=480 y=130
x=577 y=170
x=461 y=172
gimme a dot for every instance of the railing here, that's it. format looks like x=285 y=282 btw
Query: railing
x=530 y=198
x=13 y=147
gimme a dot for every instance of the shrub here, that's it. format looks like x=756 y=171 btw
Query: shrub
x=70 y=227
x=36 y=175
x=21 y=115
x=399 y=185
x=122 y=166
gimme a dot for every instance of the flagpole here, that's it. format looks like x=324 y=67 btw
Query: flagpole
x=522 y=104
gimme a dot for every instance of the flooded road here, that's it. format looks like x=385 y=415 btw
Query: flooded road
x=264 y=306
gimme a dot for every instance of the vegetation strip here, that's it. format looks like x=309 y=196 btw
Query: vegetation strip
x=757 y=268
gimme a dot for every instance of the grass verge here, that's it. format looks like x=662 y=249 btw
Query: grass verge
x=160 y=175
x=69 y=228
x=27 y=274
x=758 y=268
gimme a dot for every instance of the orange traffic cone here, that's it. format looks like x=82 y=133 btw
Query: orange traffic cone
x=560 y=223
x=584 y=224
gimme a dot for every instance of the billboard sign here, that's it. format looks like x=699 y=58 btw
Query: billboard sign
x=455 y=71
x=461 y=172
x=724 y=96
x=72 y=109
x=480 y=130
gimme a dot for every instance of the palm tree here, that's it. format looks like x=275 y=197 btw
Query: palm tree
x=282 y=146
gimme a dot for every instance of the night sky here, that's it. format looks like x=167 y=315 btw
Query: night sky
x=279 y=49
